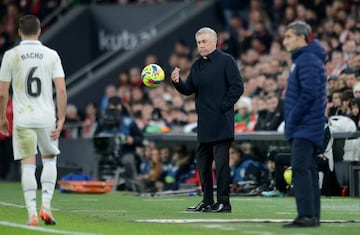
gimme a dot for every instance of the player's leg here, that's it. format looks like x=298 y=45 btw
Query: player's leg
x=49 y=150
x=24 y=145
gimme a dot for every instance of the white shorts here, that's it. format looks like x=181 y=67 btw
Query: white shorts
x=26 y=140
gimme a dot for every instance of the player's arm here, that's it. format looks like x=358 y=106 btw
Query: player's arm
x=5 y=79
x=4 y=96
x=61 y=101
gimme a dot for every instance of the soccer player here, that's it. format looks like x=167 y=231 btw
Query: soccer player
x=32 y=68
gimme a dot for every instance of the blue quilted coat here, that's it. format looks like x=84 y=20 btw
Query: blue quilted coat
x=305 y=98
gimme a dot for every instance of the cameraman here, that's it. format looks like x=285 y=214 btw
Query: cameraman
x=118 y=123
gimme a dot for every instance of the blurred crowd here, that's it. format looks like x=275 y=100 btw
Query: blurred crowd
x=12 y=10
x=253 y=33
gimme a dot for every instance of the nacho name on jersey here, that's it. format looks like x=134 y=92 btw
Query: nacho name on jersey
x=32 y=55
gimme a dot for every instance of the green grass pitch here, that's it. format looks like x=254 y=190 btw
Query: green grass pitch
x=119 y=213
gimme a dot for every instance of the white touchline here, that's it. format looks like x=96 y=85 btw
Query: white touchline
x=183 y=221
x=19 y=206
x=6 y=223
x=11 y=204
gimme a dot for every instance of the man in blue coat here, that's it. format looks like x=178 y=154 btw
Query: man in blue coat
x=215 y=79
x=305 y=120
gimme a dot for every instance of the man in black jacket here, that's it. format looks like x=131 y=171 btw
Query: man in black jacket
x=217 y=84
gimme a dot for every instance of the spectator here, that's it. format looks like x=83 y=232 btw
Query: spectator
x=346 y=98
x=351 y=78
x=166 y=168
x=151 y=59
x=72 y=125
x=271 y=118
x=123 y=87
x=89 y=124
x=244 y=167
x=337 y=64
x=278 y=161
x=332 y=84
x=35 y=7
x=9 y=21
x=191 y=122
x=147 y=182
x=356 y=90
x=282 y=81
x=333 y=106
x=110 y=91
x=355 y=114
x=232 y=8
x=177 y=171
x=135 y=77
x=245 y=119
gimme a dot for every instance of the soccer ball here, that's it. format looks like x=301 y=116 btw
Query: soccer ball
x=288 y=175
x=152 y=75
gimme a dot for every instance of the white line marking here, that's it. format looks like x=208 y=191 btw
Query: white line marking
x=96 y=210
x=5 y=223
x=220 y=227
x=183 y=221
x=285 y=213
x=80 y=199
x=165 y=199
x=19 y=206
x=12 y=205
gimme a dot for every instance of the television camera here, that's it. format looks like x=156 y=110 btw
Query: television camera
x=107 y=142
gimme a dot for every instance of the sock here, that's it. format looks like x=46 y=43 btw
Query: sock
x=48 y=181
x=29 y=186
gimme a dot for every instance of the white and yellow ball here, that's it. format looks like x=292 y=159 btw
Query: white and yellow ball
x=152 y=75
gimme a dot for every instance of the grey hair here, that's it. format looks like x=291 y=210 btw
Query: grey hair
x=206 y=30
x=300 y=27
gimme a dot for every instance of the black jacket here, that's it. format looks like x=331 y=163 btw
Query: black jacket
x=217 y=85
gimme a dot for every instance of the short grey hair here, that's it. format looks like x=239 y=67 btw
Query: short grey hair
x=206 y=30
x=300 y=27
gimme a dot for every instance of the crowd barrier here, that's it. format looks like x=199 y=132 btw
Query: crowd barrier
x=80 y=155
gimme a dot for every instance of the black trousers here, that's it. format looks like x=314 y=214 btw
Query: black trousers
x=206 y=154
x=305 y=178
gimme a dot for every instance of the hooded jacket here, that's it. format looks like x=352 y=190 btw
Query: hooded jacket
x=305 y=97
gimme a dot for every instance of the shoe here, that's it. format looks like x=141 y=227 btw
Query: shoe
x=46 y=216
x=302 y=222
x=33 y=221
x=199 y=208
x=272 y=194
x=218 y=208
x=316 y=222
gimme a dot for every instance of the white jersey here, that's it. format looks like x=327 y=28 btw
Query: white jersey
x=31 y=67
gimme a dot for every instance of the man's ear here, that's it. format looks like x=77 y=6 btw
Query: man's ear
x=303 y=37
